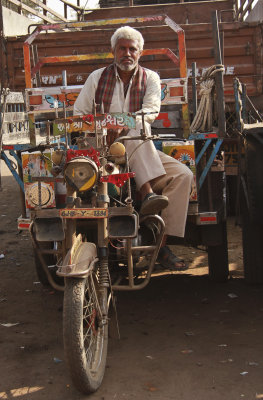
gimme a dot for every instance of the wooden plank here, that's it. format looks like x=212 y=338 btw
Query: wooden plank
x=50 y=10
x=31 y=10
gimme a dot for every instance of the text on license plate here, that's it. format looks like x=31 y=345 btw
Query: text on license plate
x=83 y=213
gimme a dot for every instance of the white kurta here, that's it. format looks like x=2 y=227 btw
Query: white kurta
x=168 y=175
x=144 y=161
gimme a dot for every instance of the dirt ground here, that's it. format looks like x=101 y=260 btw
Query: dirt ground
x=182 y=337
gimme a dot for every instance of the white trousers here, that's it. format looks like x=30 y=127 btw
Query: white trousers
x=143 y=157
x=166 y=175
x=176 y=184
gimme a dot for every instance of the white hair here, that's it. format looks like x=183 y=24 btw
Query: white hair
x=126 y=32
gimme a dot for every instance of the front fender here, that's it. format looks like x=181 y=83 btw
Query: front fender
x=79 y=260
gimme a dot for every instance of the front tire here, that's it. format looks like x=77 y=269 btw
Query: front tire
x=85 y=333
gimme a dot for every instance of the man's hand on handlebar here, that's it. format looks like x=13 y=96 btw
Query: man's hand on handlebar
x=113 y=134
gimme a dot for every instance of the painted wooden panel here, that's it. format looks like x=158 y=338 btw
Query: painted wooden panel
x=46 y=99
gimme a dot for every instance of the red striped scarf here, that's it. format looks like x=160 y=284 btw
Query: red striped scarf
x=107 y=84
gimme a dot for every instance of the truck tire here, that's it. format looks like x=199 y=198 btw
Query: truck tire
x=252 y=211
x=218 y=256
x=252 y=238
x=254 y=176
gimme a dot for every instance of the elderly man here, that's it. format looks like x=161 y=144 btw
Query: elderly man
x=125 y=86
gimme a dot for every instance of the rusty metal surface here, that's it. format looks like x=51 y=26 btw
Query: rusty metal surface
x=242 y=55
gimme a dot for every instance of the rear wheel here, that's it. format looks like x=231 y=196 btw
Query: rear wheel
x=85 y=332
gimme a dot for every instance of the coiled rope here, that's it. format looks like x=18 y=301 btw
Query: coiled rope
x=203 y=118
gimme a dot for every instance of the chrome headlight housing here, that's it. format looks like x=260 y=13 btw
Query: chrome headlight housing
x=81 y=173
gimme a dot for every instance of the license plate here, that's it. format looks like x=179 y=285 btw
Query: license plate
x=83 y=213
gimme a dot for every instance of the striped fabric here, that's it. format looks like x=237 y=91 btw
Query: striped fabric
x=107 y=84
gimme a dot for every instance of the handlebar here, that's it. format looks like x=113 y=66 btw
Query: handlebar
x=141 y=137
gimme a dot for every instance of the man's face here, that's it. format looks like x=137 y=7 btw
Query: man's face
x=127 y=54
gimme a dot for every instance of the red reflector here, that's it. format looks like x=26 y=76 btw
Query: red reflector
x=204 y=219
x=24 y=226
x=117 y=179
x=210 y=135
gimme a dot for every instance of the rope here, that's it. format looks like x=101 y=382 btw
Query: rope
x=203 y=118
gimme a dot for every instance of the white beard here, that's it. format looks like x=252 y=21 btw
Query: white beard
x=128 y=67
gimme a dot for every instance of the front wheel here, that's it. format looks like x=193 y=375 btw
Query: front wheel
x=85 y=332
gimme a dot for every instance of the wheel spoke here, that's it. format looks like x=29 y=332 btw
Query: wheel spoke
x=85 y=337
x=91 y=331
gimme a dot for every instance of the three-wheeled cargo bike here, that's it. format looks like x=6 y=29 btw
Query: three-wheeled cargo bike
x=79 y=202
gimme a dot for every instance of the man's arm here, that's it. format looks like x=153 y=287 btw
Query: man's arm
x=152 y=97
x=151 y=103
x=84 y=103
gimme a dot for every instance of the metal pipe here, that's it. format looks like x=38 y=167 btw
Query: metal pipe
x=130 y=263
x=21 y=192
x=43 y=263
x=5 y=93
x=143 y=248
x=153 y=259
x=1 y=48
x=244 y=105
x=64 y=78
x=219 y=78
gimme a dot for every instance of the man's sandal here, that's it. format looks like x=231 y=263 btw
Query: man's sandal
x=153 y=203
x=168 y=260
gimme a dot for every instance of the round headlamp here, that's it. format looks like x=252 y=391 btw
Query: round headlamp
x=81 y=173
x=39 y=194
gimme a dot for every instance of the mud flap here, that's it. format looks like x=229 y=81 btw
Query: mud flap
x=79 y=261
